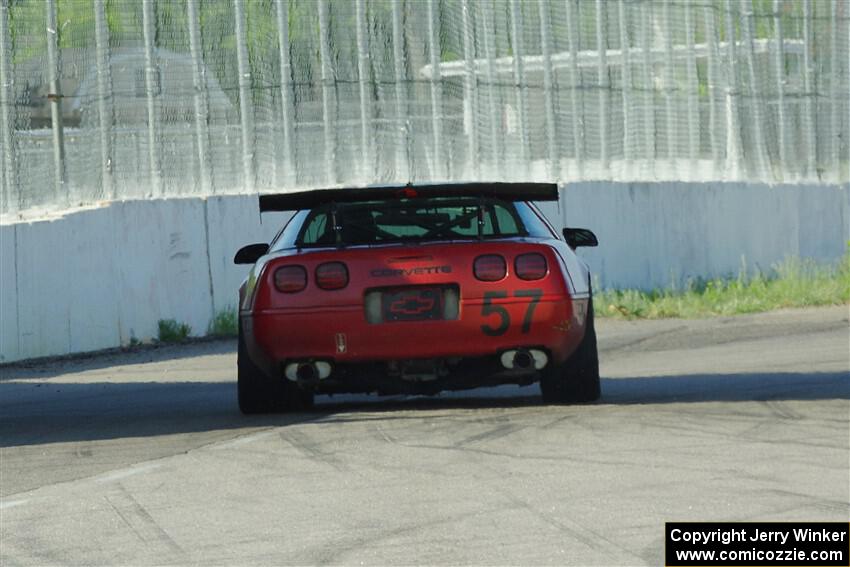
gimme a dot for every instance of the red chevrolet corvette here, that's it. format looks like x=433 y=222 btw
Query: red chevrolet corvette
x=415 y=289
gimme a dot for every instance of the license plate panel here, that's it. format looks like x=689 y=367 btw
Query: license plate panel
x=412 y=304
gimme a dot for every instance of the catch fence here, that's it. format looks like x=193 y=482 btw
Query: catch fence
x=118 y=99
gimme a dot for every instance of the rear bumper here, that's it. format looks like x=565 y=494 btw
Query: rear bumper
x=342 y=335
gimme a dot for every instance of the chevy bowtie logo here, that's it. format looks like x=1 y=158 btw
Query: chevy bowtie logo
x=412 y=304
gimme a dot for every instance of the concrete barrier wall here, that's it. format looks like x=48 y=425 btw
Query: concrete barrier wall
x=98 y=278
x=652 y=234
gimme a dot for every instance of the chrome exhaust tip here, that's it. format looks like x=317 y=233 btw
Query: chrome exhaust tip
x=507 y=359
x=522 y=359
x=307 y=371
x=541 y=359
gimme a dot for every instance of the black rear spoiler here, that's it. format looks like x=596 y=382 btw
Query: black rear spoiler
x=302 y=200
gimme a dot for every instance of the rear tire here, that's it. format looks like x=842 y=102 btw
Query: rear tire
x=258 y=393
x=576 y=380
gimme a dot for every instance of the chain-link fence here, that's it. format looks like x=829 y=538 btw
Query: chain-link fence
x=116 y=99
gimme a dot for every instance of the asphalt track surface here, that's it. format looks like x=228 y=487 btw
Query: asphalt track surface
x=143 y=458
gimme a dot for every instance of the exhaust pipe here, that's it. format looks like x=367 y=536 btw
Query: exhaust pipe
x=307 y=371
x=522 y=359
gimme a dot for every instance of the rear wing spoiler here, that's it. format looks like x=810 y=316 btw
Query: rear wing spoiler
x=302 y=200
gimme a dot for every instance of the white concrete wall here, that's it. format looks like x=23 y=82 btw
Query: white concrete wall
x=96 y=278
x=233 y=222
x=652 y=234
x=9 y=349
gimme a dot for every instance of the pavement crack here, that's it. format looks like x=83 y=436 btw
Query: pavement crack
x=495 y=433
x=384 y=435
x=594 y=540
x=311 y=449
x=139 y=520
x=642 y=340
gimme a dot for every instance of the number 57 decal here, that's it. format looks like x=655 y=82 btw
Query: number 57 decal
x=488 y=309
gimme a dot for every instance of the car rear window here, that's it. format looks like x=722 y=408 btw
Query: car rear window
x=416 y=219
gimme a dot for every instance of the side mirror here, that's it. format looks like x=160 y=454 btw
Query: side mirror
x=576 y=237
x=250 y=254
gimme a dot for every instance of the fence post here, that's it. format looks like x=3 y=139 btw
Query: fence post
x=518 y=49
x=809 y=119
x=627 y=83
x=470 y=90
x=669 y=90
x=762 y=161
x=11 y=193
x=246 y=105
x=779 y=68
x=692 y=94
x=603 y=81
x=733 y=124
x=327 y=87
x=486 y=12
x=548 y=98
x=403 y=165
x=366 y=131
x=576 y=103
x=835 y=78
x=436 y=90
x=713 y=106
x=201 y=108
x=648 y=87
x=55 y=98
x=104 y=97
x=288 y=109
x=152 y=85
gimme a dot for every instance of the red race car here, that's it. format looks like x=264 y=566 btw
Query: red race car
x=415 y=290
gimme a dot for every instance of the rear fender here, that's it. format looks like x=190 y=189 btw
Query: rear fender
x=576 y=269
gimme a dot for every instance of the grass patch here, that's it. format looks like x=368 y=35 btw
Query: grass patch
x=224 y=323
x=170 y=331
x=791 y=283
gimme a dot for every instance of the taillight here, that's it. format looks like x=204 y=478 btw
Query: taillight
x=290 y=279
x=490 y=268
x=530 y=266
x=332 y=275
